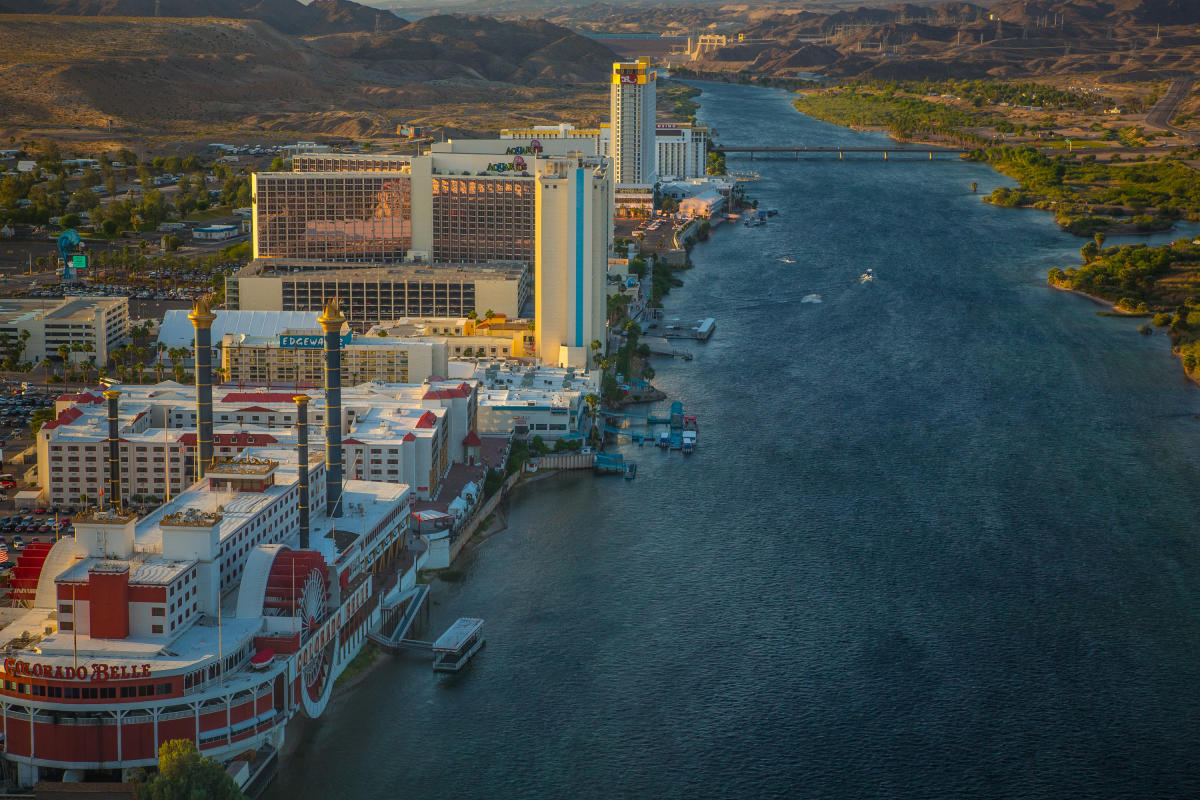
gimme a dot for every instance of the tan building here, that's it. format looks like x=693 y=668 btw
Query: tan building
x=298 y=357
x=632 y=116
x=101 y=322
x=370 y=295
x=574 y=224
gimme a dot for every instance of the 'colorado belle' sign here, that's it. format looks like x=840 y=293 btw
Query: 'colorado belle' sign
x=97 y=672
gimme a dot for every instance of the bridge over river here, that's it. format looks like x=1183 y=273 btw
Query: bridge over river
x=798 y=150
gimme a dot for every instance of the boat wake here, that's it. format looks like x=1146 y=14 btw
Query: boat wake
x=811 y=298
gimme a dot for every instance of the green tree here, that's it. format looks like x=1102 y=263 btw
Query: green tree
x=1100 y=238
x=184 y=774
x=40 y=417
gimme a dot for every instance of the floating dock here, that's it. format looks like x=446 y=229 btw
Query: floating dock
x=454 y=648
x=702 y=331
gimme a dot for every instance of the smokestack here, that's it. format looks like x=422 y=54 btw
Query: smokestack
x=331 y=321
x=114 y=452
x=302 y=447
x=202 y=318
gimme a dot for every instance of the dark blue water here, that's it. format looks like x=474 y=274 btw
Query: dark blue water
x=938 y=540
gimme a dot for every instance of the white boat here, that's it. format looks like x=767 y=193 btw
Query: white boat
x=867 y=276
x=454 y=648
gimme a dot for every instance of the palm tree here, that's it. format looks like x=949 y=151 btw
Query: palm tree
x=593 y=401
x=489 y=314
x=64 y=352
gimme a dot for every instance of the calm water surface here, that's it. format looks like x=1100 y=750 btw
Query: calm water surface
x=938 y=539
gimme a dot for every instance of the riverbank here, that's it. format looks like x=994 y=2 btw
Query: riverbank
x=1039 y=566
x=1092 y=172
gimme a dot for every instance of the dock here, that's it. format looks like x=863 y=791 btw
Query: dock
x=702 y=331
x=676 y=423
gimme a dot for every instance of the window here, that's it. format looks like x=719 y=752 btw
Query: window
x=65 y=608
x=158 y=611
x=156 y=628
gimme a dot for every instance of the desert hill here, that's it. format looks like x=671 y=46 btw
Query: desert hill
x=208 y=76
x=523 y=51
x=1133 y=39
x=288 y=16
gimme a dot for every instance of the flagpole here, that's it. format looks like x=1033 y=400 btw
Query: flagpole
x=74 y=630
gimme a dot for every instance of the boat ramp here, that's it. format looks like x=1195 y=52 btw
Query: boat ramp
x=401 y=609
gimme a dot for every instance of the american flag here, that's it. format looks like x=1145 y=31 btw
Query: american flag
x=3 y=553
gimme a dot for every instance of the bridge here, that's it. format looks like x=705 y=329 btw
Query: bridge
x=797 y=150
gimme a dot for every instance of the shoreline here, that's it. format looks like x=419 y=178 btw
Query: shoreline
x=1119 y=230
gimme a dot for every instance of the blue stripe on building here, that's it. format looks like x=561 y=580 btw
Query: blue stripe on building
x=579 y=191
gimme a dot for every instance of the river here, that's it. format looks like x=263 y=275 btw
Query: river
x=937 y=540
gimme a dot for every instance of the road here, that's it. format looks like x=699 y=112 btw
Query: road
x=1168 y=105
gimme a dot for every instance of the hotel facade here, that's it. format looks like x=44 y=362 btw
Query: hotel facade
x=472 y=225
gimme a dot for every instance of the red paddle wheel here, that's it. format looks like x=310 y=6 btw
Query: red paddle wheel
x=23 y=583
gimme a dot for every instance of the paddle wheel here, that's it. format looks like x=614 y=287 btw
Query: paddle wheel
x=23 y=583
x=298 y=586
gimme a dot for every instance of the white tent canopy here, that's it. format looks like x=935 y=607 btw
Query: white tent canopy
x=177 y=331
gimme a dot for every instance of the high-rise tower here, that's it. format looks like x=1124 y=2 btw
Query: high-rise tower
x=631 y=109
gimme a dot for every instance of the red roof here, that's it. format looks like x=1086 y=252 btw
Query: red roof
x=408 y=437
x=472 y=440
x=256 y=409
x=240 y=439
x=444 y=394
x=427 y=420
x=66 y=417
x=82 y=397
x=260 y=397
x=351 y=441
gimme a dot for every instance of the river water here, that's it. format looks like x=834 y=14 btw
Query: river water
x=937 y=540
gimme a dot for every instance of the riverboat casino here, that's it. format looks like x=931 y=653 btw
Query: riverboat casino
x=216 y=618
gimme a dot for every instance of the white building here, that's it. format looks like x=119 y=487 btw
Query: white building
x=598 y=139
x=681 y=150
x=216 y=233
x=632 y=115
x=98 y=323
x=574 y=225
x=397 y=433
